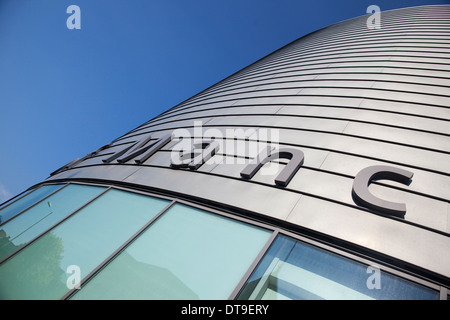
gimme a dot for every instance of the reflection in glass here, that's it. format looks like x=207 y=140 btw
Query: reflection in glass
x=34 y=274
x=295 y=270
x=186 y=254
x=21 y=204
x=17 y=232
x=86 y=239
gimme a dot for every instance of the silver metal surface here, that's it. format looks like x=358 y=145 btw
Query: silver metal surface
x=348 y=98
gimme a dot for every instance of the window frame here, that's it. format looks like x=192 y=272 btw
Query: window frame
x=26 y=193
x=276 y=230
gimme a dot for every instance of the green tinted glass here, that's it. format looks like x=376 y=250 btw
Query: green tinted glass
x=43 y=270
x=23 y=203
x=19 y=231
x=186 y=254
x=294 y=270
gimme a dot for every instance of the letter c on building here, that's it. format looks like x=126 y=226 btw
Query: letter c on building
x=362 y=195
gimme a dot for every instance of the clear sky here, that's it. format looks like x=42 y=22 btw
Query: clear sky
x=66 y=92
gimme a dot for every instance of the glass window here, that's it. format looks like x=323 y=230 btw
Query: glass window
x=26 y=201
x=17 y=232
x=186 y=254
x=44 y=269
x=11 y=200
x=295 y=270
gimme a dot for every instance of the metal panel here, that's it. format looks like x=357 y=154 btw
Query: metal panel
x=348 y=98
x=408 y=108
x=372 y=116
x=401 y=136
x=424 y=182
x=281 y=122
x=384 y=94
x=105 y=172
x=383 y=151
x=396 y=239
x=425 y=89
x=271 y=201
x=386 y=77
x=420 y=210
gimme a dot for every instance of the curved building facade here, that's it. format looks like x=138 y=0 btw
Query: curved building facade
x=319 y=172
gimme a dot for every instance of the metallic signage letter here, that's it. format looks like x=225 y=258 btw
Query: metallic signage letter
x=194 y=159
x=362 y=195
x=140 y=148
x=75 y=162
x=295 y=156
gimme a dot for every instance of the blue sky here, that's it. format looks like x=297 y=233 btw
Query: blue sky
x=64 y=93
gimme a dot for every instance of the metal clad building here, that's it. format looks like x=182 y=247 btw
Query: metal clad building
x=357 y=122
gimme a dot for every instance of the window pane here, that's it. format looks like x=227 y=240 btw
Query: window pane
x=19 y=231
x=21 y=204
x=85 y=240
x=295 y=270
x=11 y=200
x=186 y=254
